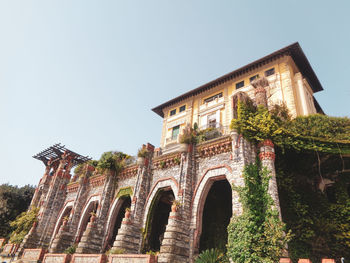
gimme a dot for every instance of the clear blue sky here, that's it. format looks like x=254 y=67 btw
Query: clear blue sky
x=86 y=73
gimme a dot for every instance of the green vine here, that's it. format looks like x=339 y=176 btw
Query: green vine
x=258 y=234
x=310 y=149
x=22 y=224
x=314 y=132
x=319 y=220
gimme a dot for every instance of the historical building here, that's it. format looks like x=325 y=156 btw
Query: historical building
x=91 y=211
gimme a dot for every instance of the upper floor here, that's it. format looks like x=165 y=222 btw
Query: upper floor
x=291 y=81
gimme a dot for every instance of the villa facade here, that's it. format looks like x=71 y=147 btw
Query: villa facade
x=91 y=211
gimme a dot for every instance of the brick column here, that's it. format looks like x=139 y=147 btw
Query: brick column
x=129 y=235
x=267 y=158
x=62 y=239
x=175 y=246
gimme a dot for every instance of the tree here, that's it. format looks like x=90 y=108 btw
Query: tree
x=13 y=201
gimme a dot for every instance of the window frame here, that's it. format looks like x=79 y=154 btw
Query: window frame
x=252 y=78
x=268 y=73
x=239 y=83
x=182 y=108
x=211 y=98
x=172 y=112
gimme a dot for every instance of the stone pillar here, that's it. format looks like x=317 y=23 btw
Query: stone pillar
x=175 y=245
x=90 y=241
x=267 y=158
x=287 y=89
x=260 y=92
x=301 y=91
x=129 y=237
x=62 y=239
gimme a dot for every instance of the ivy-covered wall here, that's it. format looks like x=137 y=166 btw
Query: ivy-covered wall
x=319 y=220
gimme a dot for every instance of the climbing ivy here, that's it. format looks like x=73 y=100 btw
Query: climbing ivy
x=310 y=149
x=258 y=234
x=319 y=220
x=314 y=132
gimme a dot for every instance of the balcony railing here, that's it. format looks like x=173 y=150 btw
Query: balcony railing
x=172 y=139
x=212 y=131
x=211 y=103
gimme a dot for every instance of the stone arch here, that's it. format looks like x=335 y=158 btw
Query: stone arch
x=210 y=176
x=93 y=201
x=68 y=205
x=161 y=183
x=157 y=219
x=112 y=216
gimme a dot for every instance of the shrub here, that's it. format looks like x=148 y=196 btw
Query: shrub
x=142 y=152
x=211 y=256
x=70 y=250
x=22 y=224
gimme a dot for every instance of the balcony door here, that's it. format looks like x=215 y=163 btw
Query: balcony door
x=175 y=132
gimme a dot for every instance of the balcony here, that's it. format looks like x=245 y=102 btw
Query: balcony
x=172 y=140
x=212 y=131
x=211 y=104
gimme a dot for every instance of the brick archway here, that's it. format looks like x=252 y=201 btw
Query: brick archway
x=85 y=214
x=68 y=205
x=161 y=183
x=200 y=194
x=112 y=215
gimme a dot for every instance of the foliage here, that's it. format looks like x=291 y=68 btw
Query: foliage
x=258 y=234
x=188 y=135
x=162 y=164
x=79 y=169
x=207 y=134
x=126 y=191
x=314 y=132
x=152 y=253
x=115 y=251
x=13 y=201
x=177 y=160
x=142 y=152
x=319 y=221
x=211 y=256
x=113 y=160
x=70 y=250
x=22 y=224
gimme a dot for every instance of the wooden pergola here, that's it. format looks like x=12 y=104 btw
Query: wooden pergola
x=55 y=153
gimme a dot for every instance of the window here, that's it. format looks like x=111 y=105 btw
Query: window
x=240 y=84
x=219 y=95
x=172 y=112
x=212 y=120
x=269 y=72
x=182 y=108
x=175 y=132
x=251 y=79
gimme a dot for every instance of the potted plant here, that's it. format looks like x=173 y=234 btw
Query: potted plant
x=127 y=212
x=93 y=217
x=65 y=220
x=187 y=137
x=175 y=206
x=141 y=155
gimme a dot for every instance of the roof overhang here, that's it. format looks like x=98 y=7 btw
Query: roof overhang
x=294 y=50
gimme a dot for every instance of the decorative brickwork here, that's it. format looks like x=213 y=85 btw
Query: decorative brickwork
x=221 y=145
x=56 y=258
